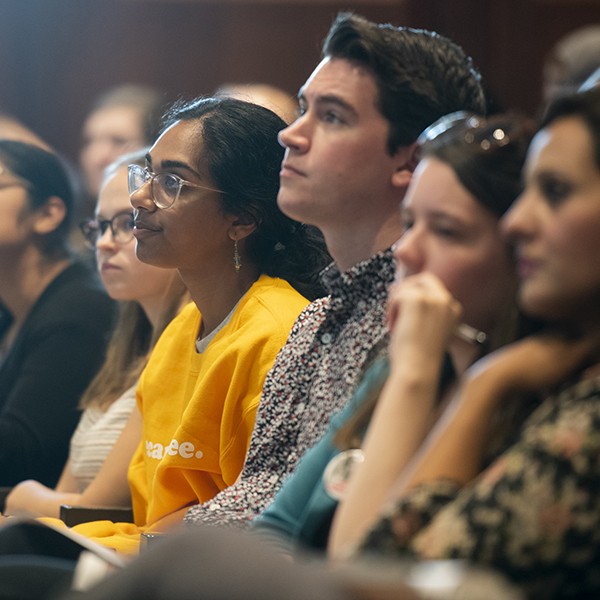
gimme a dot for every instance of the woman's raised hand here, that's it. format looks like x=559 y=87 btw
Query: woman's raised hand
x=421 y=314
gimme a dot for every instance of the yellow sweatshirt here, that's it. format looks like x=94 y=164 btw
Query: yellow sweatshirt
x=198 y=409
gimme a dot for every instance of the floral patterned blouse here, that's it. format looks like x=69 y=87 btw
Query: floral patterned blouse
x=533 y=514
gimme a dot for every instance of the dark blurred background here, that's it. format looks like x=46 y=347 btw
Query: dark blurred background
x=56 y=56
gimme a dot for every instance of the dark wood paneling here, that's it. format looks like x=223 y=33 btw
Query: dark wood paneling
x=57 y=55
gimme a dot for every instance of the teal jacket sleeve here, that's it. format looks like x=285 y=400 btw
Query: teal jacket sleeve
x=302 y=511
x=281 y=521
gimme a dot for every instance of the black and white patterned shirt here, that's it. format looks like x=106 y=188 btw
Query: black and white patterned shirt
x=313 y=377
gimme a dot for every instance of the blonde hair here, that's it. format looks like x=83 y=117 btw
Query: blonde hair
x=133 y=336
x=132 y=340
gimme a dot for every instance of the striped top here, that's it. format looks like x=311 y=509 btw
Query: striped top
x=96 y=434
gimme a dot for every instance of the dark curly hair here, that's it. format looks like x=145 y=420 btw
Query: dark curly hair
x=420 y=75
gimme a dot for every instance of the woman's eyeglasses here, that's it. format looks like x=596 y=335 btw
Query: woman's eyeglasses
x=165 y=187
x=121 y=228
x=471 y=129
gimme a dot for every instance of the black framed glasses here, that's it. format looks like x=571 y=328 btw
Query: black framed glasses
x=121 y=228
x=472 y=129
x=165 y=187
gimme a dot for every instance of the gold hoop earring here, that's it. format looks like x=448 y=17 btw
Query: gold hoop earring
x=237 y=259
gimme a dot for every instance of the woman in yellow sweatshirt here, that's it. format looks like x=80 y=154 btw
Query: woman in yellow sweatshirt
x=206 y=204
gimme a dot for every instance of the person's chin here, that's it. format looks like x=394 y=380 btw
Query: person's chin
x=121 y=294
x=146 y=254
x=291 y=205
x=538 y=302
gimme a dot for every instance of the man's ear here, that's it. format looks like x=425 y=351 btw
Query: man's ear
x=50 y=215
x=408 y=159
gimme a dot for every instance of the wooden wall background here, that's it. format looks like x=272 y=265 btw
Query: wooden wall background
x=57 y=55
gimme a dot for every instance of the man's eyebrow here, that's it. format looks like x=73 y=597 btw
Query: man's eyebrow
x=330 y=99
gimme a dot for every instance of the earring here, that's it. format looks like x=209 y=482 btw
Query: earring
x=237 y=259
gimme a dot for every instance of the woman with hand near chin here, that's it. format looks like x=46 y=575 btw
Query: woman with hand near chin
x=453 y=302
x=533 y=514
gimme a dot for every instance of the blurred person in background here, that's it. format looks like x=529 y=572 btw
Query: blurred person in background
x=572 y=59
x=121 y=120
x=12 y=128
x=274 y=98
x=149 y=297
x=59 y=317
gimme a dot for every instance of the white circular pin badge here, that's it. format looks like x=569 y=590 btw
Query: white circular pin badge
x=338 y=471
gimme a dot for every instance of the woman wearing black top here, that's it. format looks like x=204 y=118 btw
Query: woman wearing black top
x=56 y=316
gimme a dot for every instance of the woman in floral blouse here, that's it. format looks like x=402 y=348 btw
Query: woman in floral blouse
x=533 y=513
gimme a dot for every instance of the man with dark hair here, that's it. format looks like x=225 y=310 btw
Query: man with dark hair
x=419 y=74
x=349 y=159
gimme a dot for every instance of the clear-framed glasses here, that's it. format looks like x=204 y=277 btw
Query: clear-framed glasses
x=486 y=134
x=121 y=228
x=165 y=187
